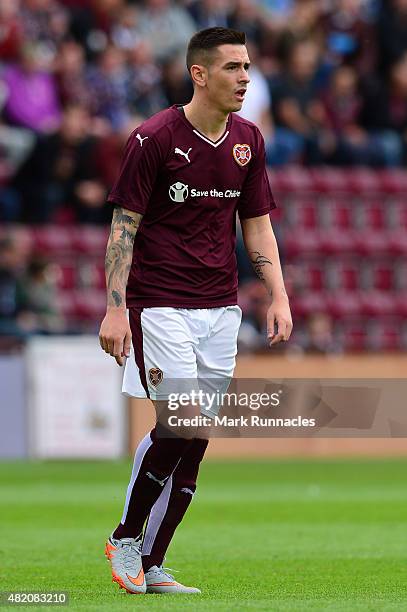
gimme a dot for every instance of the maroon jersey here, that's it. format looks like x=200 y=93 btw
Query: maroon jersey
x=188 y=189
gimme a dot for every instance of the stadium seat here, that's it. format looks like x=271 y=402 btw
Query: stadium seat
x=335 y=241
x=91 y=240
x=384 y=335
x=54 y=240
x=392 y=181
x=329 y=180
x=337 y=213
x=301 y=213
x=298 y=242
x=354 y=332
x=344 y=303
x=398 y=242
x=377 y=303
x=293 y=179
x=308 y=303
x=374 y=214
x=371 y=242
x=65 y=275
x=343 y=274
x=362 y=181
x=91 y=274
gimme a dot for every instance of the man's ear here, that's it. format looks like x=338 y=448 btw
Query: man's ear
x=199 y=75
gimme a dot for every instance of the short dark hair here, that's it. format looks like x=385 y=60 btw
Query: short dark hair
x=203 y=43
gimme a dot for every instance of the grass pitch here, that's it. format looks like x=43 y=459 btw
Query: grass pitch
x=276 y=535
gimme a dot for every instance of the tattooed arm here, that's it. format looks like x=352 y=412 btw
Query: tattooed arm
x=115 y=334
x=262 y=249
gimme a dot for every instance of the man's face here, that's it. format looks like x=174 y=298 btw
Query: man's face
x=227 y=77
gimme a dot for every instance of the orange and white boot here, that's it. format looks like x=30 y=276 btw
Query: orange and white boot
x=127 y=568
x=160 y=581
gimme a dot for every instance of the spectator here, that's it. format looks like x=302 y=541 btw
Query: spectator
x=38 y=307
x=11 y=31
x=70 y=68
x=349 y=35
x=319 y=337
x=61 y=172
x=167 y=26
x=11 y=263
x=32 y=100
x=210 y=13
x=124 y=30
x=45 y=22
x=297 y=110
x=109 y=80
x=147 y=96
x=177 y=86
x=385 y=111
x=392 y=32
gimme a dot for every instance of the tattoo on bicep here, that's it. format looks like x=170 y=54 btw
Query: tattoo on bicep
x=259 y=262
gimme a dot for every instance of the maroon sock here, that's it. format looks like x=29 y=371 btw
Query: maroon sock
x=155 y=460
x=169 y=510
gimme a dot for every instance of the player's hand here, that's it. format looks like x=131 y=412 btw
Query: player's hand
x=115 y=334
x=279 y=321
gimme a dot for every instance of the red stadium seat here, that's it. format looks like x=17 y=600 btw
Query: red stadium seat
x=374 y=214
x=335 y=241
x=90 y=304
x=54 y=240
x=343 y=274
x=65 y=275
x=91 y=241
x=329 y=180
x=363 y=181
x=398 y=242
x=378 y=303
x=293 y=179
x=370 y=242
x=338 y=214
x=385 y=335
x=92 y=275
x=344 y=303
x=308 y=303
x=381 y=275
x=354 y=334
x=302 y=243
x=301 y=213
x=392 y=181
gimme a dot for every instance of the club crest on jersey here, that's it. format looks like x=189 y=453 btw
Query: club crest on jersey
x=242 y=154
x=155 y=376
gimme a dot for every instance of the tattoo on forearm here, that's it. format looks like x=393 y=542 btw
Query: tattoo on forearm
x=119 y=255
x=117 y=298
x=259 y=262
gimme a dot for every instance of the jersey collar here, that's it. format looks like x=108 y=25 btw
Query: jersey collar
x=213 y=143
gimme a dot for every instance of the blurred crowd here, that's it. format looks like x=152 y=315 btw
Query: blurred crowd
x=329 y=86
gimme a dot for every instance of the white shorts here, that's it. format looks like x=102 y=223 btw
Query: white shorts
x=174 y=348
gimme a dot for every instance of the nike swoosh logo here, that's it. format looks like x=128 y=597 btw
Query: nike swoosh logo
x=163 y=584
x=139 y=580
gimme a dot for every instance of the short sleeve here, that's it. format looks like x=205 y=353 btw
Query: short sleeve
x=256 y=198
x=138 y=173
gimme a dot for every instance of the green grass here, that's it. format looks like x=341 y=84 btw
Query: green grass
x=276 y=535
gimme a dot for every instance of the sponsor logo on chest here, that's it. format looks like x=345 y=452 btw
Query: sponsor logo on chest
x=179 y=192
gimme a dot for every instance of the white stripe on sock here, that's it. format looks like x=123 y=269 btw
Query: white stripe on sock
x=156 y=518
x=141 y=450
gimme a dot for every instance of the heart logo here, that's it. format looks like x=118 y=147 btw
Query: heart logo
x=242 y=154
x=155 y=376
